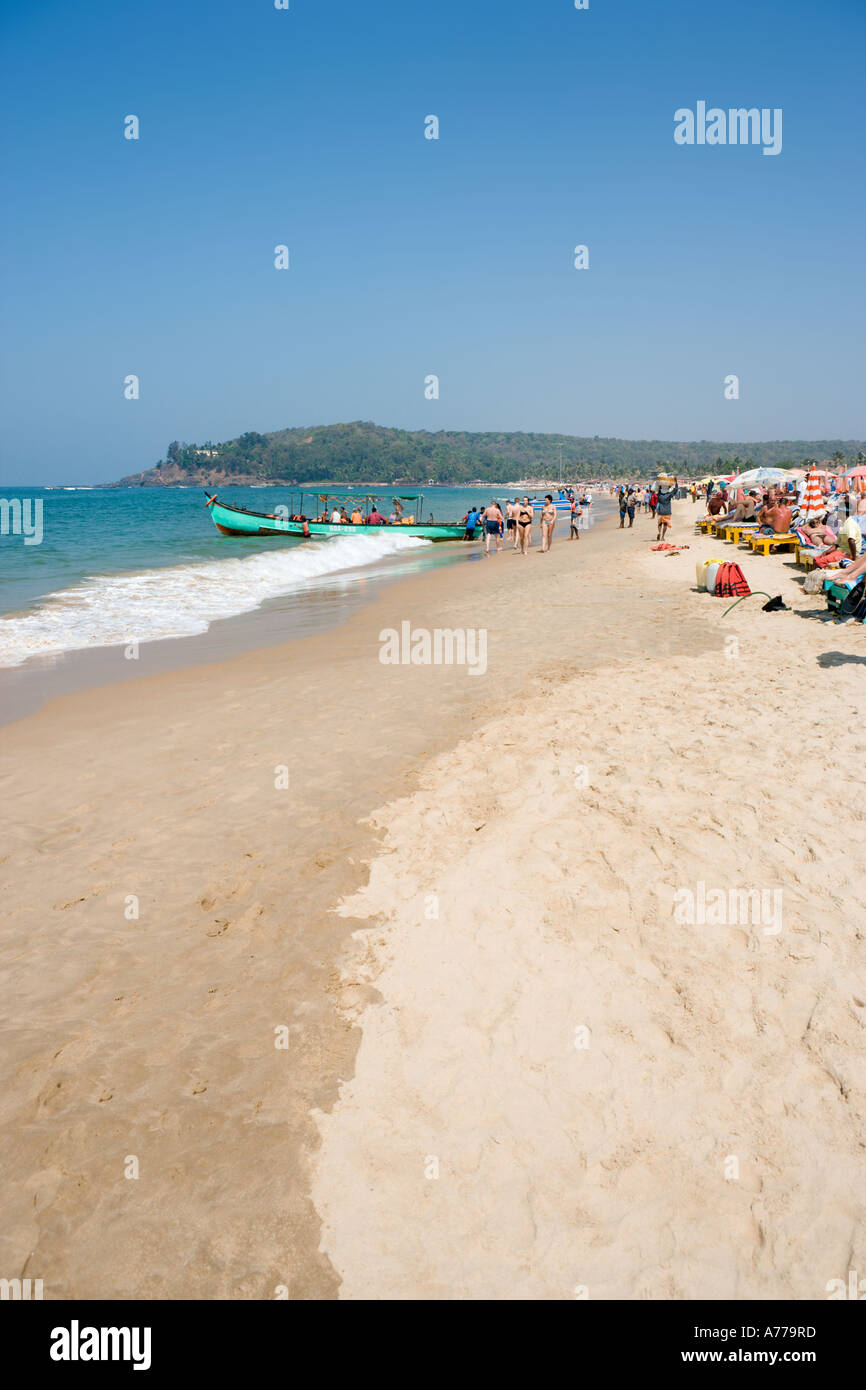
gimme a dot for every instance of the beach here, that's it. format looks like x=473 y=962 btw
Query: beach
x=383 y=974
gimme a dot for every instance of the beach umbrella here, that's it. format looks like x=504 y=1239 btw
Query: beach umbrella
x=813 y=503
x=855 y=473
x=760 y=475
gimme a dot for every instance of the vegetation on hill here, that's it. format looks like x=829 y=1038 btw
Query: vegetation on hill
x=363 y=452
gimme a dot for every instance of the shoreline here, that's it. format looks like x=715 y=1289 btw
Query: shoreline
x=154 y=1035
x=311 y=607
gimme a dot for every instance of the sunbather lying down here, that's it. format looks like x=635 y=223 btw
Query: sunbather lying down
x=852 y=573
x=820 y=536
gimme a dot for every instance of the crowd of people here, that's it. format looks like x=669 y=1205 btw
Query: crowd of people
x=656 y=498
x=836 y=531
x=339 y=515
x=516 y=523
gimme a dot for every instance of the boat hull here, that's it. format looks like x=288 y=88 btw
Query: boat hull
x=235 y=521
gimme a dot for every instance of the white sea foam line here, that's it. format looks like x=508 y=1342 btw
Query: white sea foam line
x=181 y=601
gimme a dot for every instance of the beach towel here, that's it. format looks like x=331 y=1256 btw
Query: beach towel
x=829 y=558
x=731 y=582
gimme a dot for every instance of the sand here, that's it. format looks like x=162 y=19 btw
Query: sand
x=547 y=811
x=565 y=1092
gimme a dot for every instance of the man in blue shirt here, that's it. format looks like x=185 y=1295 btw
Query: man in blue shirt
x=471 y=521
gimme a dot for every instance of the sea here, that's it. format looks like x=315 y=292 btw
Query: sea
x=117 y=566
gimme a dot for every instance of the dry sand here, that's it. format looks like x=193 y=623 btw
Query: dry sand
x=601 y=1167
x=565 y=1092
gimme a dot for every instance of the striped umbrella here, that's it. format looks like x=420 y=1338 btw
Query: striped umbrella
x=813 y=503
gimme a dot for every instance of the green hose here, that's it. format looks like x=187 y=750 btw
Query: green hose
x=740 y=600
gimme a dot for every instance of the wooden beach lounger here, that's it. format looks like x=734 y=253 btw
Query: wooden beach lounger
x=767 y=543
x=735 y=529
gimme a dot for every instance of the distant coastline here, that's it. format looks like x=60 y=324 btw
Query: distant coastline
x=354 y=453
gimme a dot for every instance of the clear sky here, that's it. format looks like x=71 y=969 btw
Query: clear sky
x=411 y=256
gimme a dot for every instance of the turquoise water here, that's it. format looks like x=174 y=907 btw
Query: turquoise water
x=148 y=564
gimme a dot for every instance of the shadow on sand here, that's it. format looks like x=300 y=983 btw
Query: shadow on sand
x=840 y=659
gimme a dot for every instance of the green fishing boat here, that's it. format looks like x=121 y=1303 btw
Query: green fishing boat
x=294 y=520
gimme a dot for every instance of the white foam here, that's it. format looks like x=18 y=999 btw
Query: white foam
x=182 y=601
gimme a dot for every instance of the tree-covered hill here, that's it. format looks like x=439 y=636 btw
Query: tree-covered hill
x=363 y=452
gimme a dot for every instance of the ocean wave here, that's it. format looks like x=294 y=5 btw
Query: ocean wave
x=181 y=601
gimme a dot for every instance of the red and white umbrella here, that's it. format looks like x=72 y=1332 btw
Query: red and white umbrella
x=813 y=503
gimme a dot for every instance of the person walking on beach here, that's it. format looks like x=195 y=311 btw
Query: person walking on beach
x=492 y=517
x=576 y=514
x=511 y=510
x=524 y=525
x=548 y=521
x=631 y=504
x=666 y=493
x=623 y=507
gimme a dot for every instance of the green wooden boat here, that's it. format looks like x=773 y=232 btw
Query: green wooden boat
x=289 y=521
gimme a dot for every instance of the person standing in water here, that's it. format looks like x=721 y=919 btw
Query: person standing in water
x=492 y=518
x=548 y=521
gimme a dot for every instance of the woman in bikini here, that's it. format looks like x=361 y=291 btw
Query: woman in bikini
x=548 y=521
x=524 y=525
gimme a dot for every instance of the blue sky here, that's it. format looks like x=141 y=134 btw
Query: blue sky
x=412 y=256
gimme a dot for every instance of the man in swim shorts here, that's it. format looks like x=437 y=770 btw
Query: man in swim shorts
x=492 y=517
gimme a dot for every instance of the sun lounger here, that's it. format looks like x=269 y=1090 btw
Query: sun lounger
x=735 y=529
x=767 y=543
